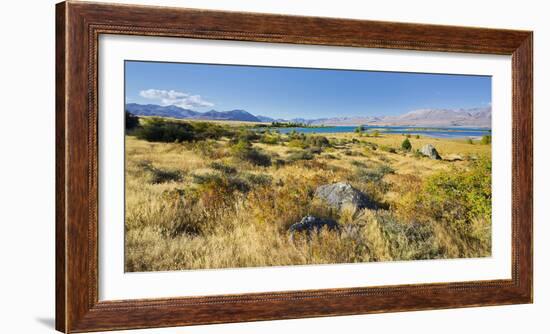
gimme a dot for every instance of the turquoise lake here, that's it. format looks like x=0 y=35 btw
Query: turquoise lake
x=439 y=132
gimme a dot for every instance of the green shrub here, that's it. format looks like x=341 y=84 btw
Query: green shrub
x=166 y=175
x=485 y=140
x=258 y=158
x=257 y=179
x=334 y=142
x=206 y=130
x=460 y=197
x=288 y=125
x=297 y=143
x=156 y=129
x=247 y=135
x=244 y=151
x=224 y=184
x=296 y=135
x=359 y=164
x=300 y=155
x=209 y=148
x=373 y=174
x=269 y=139
x=229 y=184
x=469 y=141
x=317 y=141
x=226 y=169
x=157 y=175
x=406 y=145
x=385 y=169
x=240 y=148
x=456 y=204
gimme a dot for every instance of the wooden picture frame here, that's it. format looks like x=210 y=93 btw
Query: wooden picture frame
x=78 y=26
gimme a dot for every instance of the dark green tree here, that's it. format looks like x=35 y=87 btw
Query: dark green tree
x=406 y=145
x=131 y=120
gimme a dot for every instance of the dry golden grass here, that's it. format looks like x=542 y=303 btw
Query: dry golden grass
x=173 y=221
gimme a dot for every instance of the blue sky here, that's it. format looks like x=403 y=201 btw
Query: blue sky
x=282 y=92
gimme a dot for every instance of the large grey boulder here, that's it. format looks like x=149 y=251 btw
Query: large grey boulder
x=310 y=224
x=430 y=151
x=340 y=194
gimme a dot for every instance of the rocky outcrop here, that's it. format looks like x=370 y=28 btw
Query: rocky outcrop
x=340 y=194
x=429 y=150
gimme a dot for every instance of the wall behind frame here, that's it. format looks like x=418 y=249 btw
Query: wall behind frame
x=27 y=70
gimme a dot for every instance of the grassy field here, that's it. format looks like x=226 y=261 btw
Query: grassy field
x=223 y=196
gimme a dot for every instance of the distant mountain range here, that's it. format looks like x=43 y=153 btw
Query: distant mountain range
x=479 y=117
x=177 y=112
x=475 y=117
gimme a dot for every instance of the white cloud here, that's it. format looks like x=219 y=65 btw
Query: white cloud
x=173 y=97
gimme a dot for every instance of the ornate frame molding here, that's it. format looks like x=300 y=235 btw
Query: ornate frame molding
x=78 y=27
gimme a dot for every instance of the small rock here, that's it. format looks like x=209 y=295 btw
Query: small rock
x=310 y=224
x=339 y=194
x=430 y=151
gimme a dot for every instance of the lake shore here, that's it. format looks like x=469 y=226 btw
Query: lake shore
x=436 y=132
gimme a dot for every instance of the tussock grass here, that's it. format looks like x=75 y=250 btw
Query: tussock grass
x=228 y=201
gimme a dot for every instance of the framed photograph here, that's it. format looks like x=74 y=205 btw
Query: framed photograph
x=223 y=167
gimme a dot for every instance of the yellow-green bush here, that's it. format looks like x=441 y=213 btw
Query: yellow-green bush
x=457 y=205
x=244 y=151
